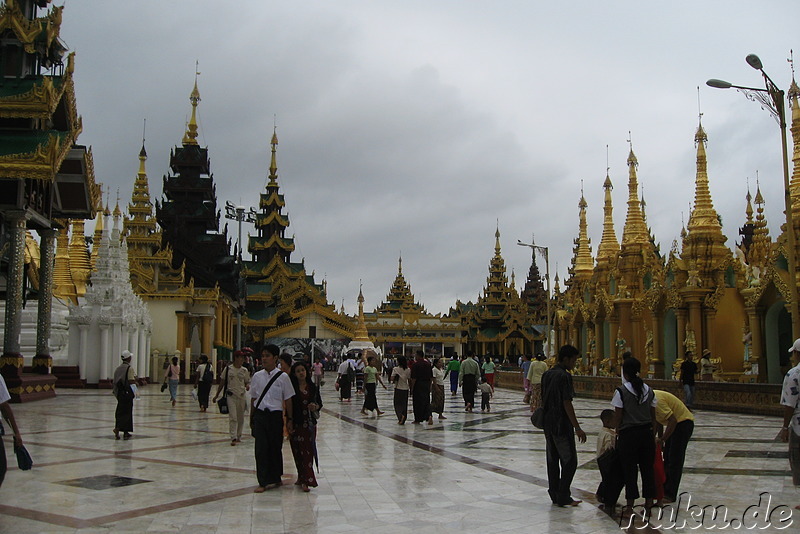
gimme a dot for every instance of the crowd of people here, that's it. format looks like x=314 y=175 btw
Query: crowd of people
x=644 y=435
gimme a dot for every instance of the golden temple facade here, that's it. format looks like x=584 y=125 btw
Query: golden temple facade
x=703 y=296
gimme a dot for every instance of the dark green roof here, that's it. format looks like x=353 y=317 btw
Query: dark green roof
x=19 y=87
x=26 y=142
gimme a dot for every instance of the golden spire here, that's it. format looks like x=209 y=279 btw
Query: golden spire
x=98 y=233
x=273 y=165
x=361 y=333
x=748 y=211
x=497 y=240
x=190 y=137
x=703 y=218
x=794 y=187
x=635 y=230
x=758 y=255
x=609 y=245
x=582 y=262
x=513 y=279
x=63 y=286
x=80 y=263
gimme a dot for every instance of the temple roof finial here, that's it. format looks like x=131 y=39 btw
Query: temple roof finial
x=273 y=165
x=190 y=137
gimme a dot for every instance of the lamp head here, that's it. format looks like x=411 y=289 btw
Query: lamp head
x=719 y=84
x=754 y=61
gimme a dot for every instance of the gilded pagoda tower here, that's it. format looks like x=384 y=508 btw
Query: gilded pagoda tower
x=282 y=299
x=498 y=323
x=401 y=325
x=45 y=177
x=188 y=215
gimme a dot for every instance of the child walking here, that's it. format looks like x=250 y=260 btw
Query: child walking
x=487 y=391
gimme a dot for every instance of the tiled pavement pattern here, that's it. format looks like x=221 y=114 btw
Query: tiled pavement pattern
x=471 y=473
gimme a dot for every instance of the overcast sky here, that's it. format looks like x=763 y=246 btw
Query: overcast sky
x=415 y=127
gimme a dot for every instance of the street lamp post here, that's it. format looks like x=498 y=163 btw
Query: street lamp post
x=239 y=214
x=545 y=252
x=773 y=100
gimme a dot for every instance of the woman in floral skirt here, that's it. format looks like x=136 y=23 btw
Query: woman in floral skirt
x=305 y=410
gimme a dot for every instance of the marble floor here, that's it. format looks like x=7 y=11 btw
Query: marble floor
x=470 y=473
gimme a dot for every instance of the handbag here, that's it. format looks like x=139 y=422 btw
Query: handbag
x=537 y=417
x=163 y=386
x=24 y=460
x=222 y=403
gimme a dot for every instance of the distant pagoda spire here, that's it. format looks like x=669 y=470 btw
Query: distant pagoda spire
x=271 y=223
x=400 y=296
x=361 y=333
x=582 y=262
x=98 y=231
x=703 y=218
x=63 y=285
x=80 y=263
x=635 y=230
x=794 y=187
x=609 y=246
x=759 y=250
x=190 y=137
x=273 y=165
x=140 y=227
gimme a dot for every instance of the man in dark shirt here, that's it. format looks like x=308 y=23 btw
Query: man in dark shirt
x=688 y=370
x=420 y=384
x=560 y=427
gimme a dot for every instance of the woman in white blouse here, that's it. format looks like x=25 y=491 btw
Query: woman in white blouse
x=400 y=375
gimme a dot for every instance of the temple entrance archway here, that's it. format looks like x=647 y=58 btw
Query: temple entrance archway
x=671 y=350
x=777 y=340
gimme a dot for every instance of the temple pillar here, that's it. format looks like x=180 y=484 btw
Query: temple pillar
x=599 y=346
x=625 y=330
x=757 y=356
x=710 y=341
x=696 y=320
x=84 y=348
x=11 y=362
x=205 y=338
x=636 y=343
x=134 y=348
x=105 y=356
x=42 y=361
x=680 y=317
x=657 y=363
x=148 y=370
x=142 y=351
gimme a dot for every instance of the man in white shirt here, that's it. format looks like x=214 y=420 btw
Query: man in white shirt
x=266 y=418
x=790 y=400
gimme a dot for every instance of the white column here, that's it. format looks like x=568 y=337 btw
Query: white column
x=125 y=342
x=148 y=359
x=84 y=328
x=187 y=362
x=142 y=351
x=105 y=356
x=115 y=351
x=134 y=348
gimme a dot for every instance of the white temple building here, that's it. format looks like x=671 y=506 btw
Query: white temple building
x=110 y=318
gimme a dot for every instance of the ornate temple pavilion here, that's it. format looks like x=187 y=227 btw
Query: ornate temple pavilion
x=284 y=305
x=45 y=176
x=702 y=296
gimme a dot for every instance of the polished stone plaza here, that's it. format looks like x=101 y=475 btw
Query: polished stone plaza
x=481 y=473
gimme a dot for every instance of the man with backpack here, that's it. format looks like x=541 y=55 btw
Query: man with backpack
x=346 y=379
x=204 y=377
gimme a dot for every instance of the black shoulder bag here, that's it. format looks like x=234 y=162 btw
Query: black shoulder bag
x=222 y=403
x=537 y=417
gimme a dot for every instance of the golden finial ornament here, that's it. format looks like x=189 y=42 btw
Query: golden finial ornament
x=190 y=137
